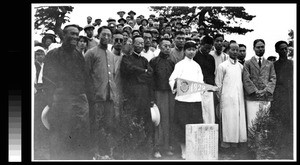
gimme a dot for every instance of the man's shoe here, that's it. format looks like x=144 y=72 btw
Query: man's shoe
x=169 y=153
x=157 y=155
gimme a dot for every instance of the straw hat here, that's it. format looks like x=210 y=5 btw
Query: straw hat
x=44 y=117
x=155 y=115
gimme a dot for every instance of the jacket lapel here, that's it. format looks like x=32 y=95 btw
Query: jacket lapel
x=254 y=62
x=263 y=63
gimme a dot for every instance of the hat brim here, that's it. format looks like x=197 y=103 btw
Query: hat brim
x=155 y=115
x=121 y=12
x=45 y=118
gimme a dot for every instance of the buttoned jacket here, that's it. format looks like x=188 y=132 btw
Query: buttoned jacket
x=259 y=78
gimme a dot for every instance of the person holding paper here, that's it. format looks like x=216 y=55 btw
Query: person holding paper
x=188 y=109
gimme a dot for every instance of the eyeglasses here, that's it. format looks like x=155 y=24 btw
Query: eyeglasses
x=118 y=40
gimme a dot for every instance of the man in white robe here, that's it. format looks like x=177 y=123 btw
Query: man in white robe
x=231 y=95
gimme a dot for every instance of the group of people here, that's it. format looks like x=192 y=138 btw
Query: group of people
x=92 y=76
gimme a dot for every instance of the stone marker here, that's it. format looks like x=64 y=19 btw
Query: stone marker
x=201 y=141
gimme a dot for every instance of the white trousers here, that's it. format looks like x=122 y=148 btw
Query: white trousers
x=252 y=107
x=208 y=109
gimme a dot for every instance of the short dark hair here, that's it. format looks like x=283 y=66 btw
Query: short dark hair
x=279 y=43
x=258 y=40
x=147 y=31
x=104 y=27
x=126 y=32
x=135 y=31
x=179 y=33
x=134 y=37
x=84 y=38
x=72 y=25
x=118 y=32
x=242 y=45
x=207 y=40
x=166 y=39
x=218 y=35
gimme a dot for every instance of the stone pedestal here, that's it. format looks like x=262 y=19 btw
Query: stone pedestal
x=202 y=141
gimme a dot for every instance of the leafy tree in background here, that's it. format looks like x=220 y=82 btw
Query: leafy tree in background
x=214 y=19
x=52 y=17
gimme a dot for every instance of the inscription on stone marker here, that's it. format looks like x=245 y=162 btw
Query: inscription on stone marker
x=202 y=142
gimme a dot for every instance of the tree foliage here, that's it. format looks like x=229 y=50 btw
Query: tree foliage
x=214 y=19
x=52 y=17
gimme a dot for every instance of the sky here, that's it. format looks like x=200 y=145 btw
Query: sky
x=272 y=21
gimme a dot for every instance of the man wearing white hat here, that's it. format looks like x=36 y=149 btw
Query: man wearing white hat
x=89 y=30
x=121 y=13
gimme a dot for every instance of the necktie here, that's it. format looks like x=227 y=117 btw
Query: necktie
x=259 y=62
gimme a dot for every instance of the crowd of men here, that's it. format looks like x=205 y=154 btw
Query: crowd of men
x=96 y=71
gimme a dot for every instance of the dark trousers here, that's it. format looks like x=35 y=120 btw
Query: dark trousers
x=186 y=113
x=69 y=134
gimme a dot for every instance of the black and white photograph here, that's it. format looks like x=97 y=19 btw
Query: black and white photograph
x=194 y=82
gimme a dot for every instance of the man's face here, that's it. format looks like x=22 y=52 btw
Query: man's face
x=138 y=44
x=218 y=43
x=180 y=41
x=242 y=53
x=168 y=29
x=71 y=36
x=105 y=36
x=282 y=50
x=39 y=56
x=121 y=14
x=147 y=39
x=89 y=32
x=48 y=42
x=234 y=50
x=206 y=48
x=138 y=20
x=165 y=47
x=150 y=21
x=190 y=52
x=259 y=48
x=118 y=41
x=119 y=28
x=125 y=37
x=156 y=25
x=89 y=20
x=82 y=44
x=98 y=22
x=154 y=44
x=131 y=23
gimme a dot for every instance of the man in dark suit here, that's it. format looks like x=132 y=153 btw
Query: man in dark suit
x=205 y=60
x=137 y=72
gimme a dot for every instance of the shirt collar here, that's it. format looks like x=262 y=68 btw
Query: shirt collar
x=257 y=58
x=187 y=59
x=178 y=49
x=138 y=54
x=233 y=61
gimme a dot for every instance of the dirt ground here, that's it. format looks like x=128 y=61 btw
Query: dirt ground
x=41 y=152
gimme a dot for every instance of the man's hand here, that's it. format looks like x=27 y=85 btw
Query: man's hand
x=260 y=93
x=152 y=104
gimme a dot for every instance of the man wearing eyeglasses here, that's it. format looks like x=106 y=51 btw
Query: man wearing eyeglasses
x=102 y=97
x=118 y=40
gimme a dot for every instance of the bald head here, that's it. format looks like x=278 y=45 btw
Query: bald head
x=233 y=51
